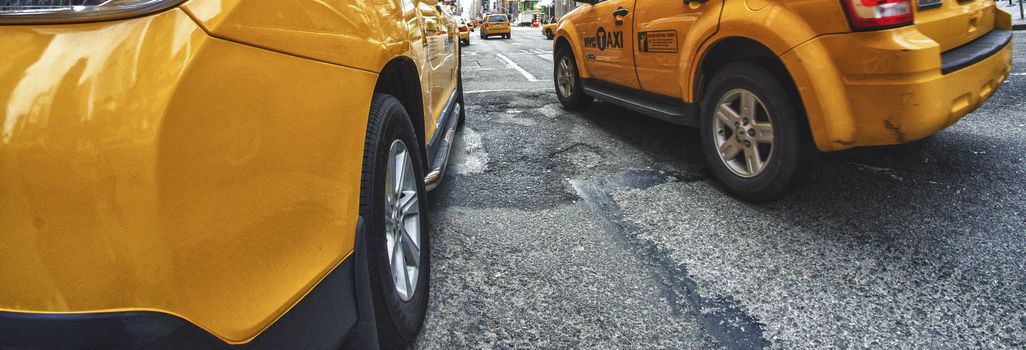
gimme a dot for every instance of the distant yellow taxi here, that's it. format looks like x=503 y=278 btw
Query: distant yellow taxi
x=208 y=173
x=549 y=30
x=495 y=25
x=464 y=29
x=771 y=82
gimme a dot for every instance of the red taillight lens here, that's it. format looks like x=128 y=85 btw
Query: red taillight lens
x=878 y=14
x=463 y=28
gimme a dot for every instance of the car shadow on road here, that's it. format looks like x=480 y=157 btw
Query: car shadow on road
x=879 y=190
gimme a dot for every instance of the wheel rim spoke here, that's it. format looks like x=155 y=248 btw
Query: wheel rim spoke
x=411 y=249
x=730 y=149
x=399 y=269
x=763 y=132
x=400 y=171
x=727 y=116
x=408 y=203
x=752 y=160
x=748 y=105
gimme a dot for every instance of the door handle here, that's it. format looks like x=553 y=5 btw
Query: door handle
x=697 y=2
x=619 y=14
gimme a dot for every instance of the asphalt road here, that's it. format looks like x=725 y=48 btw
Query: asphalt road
x=603 y=229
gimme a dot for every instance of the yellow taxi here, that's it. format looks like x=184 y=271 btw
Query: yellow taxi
x=771 y=82
x=464 y=29
x=207 y=173
x=495 y=25
x=549 y=30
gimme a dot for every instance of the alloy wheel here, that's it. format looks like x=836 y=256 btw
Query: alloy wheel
x=565 y=76
x=402 y=220
x=743 y=131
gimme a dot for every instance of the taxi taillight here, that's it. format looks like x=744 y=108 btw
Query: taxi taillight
x=878 y=14
x=463 y=28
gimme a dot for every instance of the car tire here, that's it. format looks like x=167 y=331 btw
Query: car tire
x=765 y=146
x=483 y=36
x=391 y=142
x=548 y=34
x=567 y=81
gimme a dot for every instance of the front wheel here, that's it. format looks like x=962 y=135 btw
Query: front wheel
x=568 y=82
x=548 y=34
x=393 y=203
x=752 y=133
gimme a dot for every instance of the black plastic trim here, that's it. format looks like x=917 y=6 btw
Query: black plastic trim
x=975 y=51
x=928 y=5
x=662 y=107
x=336 y=313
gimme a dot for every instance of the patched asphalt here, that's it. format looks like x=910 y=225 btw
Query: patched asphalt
x=602 y=229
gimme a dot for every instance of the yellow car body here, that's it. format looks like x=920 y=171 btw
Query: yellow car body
x=495 y=24
x=858 y=88
x=202 y=163
x=549 y=30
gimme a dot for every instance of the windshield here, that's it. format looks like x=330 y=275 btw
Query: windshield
x=497 y=18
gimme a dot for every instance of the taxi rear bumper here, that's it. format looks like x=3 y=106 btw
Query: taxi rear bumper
x=893 y=86
x=494 y=30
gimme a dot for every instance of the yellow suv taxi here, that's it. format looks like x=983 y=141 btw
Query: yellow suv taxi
x=495 y=24
x=769 y=82
x=213 y=174
x=549 y=30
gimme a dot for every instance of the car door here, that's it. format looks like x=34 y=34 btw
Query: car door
x=440 y=60
x=607 y=44
x=668 y=32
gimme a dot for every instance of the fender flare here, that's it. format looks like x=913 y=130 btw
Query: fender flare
x=819 y=85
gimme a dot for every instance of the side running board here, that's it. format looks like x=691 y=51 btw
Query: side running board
x=652 y=105
x=443 y=146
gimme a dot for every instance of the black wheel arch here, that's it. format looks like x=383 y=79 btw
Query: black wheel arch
x=400 y=78
x=740 y=49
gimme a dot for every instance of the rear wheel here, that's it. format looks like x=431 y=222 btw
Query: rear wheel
x=752 y=133
x=392 y=201
x=568 y=82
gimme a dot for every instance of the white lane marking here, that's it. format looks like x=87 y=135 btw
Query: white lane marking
x=526 y=74
x=475 y=69
x=547 y=57
x=1017 y=74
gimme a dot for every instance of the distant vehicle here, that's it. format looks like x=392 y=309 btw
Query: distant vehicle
x=549 y=30
x=525 y=19
x=495 y=24
x=464 y=31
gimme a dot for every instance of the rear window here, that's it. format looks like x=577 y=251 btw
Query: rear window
x=497 y=18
